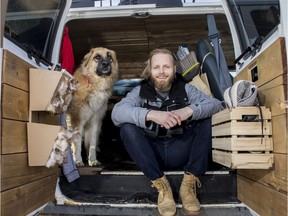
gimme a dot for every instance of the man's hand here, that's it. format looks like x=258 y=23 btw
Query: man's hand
x=184 y=113
x=169 y=119
x=163 y=118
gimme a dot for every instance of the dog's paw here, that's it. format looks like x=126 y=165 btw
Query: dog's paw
x=79 y=163
x=94 y=163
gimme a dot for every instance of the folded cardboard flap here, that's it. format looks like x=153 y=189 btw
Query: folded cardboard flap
x=41 y=138
x=42 y=86
x=51 y=90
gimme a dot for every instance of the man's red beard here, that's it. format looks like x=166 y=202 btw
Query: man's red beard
x=162 y=85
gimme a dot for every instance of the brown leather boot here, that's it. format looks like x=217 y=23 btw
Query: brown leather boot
x=187 y=193
x=166 y=203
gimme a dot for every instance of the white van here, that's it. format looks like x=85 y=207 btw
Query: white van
x=253 y=36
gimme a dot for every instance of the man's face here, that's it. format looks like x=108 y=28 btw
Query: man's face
x=162 y=71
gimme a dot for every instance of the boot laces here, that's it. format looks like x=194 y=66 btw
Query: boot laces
x=195 y=183
x=162 y=189
x=159 y=185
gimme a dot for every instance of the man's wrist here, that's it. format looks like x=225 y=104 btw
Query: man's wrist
x=189 y=112
x=148 y=116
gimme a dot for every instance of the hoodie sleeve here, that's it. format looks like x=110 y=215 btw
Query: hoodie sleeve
x=202 y=105
x=129 y=110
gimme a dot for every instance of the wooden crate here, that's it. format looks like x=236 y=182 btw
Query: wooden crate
x=241 y=144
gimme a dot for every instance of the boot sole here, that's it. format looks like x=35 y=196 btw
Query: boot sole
x=186 y=213
x=162 y=215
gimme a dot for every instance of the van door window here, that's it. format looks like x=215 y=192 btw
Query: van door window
x=255 y=19
x=31 y=24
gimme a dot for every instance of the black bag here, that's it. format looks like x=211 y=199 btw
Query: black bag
x=207 y=58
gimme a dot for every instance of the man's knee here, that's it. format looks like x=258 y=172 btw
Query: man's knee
x=207 y=122
x=130 y=131
x=127 y=128
x=205 y=125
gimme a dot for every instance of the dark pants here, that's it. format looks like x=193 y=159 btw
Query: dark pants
x=187 y=152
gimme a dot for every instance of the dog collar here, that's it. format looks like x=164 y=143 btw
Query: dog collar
x=87 y=79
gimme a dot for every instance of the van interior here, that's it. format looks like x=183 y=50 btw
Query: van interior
x=132 y=31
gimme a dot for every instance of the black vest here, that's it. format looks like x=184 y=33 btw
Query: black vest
x=177 y=99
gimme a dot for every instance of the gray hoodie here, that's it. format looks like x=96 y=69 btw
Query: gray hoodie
x=130 y=109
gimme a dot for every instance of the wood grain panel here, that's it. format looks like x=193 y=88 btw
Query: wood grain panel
x=132 y=69
x=128 y=40
x=25 y=199
x=276 y=98
x=14 y=136
x=242 y=129
x=242 y=160
x=282 y=169
x=279 y=80
x=270 y=64
x=265 y=191
x=15 y=71
x=272 y=94
x=275 y=178
x=23 y=188
x=133 y=39
x=14 y=103
x=260 y=198
x=280 y=129
x=16 y=172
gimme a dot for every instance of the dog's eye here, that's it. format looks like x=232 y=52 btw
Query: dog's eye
x=97 y=57
x=109 y=56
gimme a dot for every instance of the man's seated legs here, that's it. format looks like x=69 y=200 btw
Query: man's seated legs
x=142 y=153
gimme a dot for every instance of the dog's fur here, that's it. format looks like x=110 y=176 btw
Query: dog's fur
x=96 y=77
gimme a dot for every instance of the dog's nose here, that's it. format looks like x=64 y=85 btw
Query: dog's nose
x=105 y=63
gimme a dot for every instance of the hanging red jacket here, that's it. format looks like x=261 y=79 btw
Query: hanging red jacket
x=66 y=53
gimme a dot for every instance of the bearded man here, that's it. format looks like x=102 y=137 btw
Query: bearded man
x=166 y=125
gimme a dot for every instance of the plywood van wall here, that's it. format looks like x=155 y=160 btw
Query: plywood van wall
x=256 y=187
x=133 y=38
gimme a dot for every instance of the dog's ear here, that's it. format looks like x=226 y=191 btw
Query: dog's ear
x=87 y=58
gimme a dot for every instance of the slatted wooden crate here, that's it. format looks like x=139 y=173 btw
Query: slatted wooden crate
x=239 y=143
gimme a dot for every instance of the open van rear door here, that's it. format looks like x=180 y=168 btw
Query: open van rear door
x=31 y=28
x=259 y=30
x=254 y=25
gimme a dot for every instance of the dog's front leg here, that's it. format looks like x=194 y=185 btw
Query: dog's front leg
x=91 y=142
x=76 y=149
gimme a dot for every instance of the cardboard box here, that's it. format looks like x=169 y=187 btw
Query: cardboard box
x=41 y=138
x=44 y=87
x=242 y=138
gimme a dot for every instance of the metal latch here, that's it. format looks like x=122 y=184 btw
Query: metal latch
x=141 y=14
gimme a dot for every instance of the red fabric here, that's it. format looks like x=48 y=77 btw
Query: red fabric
x=66 y=53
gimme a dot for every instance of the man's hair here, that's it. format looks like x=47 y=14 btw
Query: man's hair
x=146 y=73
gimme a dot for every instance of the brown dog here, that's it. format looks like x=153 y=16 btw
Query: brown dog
x=96 y=77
